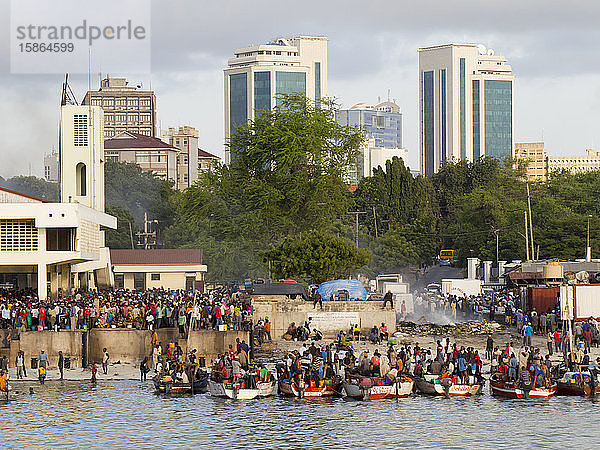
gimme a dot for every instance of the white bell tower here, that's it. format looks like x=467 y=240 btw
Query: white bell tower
x=82 y=155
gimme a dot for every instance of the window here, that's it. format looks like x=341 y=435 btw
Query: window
x=18 y=236
x=442 y=114
x=290 y=83
x=81 y=179
x=155 y=277
x=428 y=125
x=238 y=101
x=262 y=91
x=139 y=281
x=476 y=122
x=318 y=84
x=463 y=130
x=379 y=121
x=498 y=118
x=80 y=130
x=119 y=281
x=59 y=240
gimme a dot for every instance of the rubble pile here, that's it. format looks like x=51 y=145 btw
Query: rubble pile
x=456 y=329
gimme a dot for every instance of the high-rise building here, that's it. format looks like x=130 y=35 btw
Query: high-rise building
x=185 y=139
x=257 y=74
x=382 y=124
x=126 y=108
x=51 y=167
x=535 y=156
x=466 y=105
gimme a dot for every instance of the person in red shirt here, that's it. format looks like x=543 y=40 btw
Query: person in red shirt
x=556 y=341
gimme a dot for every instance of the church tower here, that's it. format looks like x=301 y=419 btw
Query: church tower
x=82 y=155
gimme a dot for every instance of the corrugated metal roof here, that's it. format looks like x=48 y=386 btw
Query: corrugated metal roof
x=163 y=256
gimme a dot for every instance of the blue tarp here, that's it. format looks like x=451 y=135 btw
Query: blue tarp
x=356 y=290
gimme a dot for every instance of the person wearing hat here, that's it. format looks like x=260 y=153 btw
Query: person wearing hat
x=364 y=364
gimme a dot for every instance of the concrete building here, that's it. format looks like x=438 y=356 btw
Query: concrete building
x=466 y=105
x=535 y=156
x=575 y=164
x=258 y=73
x=126 y=108
x=382 y=124
x=158 y=268
x=206 y=162
x=52 y=246
x=51 y=167
x=151 y=154
x=185 y=139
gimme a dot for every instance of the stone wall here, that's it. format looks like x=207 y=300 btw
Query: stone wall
x=125 y=345
x=333 y=317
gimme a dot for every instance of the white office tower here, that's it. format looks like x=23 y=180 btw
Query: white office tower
x=82 y=156
x=466 y=105
x=257 y=74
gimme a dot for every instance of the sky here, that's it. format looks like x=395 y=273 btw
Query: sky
x=551 y=45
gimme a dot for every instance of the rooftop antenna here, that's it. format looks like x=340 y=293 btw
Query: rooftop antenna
x=389 y=95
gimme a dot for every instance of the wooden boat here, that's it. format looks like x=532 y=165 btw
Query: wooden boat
x=431 y=385
x=232 y=390
x=166 y=385
x=577 y=383
x=374 y=389
x=514 y=389
x=326 y=388
x=265 y=388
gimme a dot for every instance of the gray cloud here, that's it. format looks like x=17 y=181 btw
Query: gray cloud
x=372 y=48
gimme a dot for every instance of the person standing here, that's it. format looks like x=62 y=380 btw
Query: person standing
x=489 y=347
x=20 y=365
x=61 y=364
x=388 y=298
x=105 y=358
x=550 y=341
x=43 y=359
x=144 y=369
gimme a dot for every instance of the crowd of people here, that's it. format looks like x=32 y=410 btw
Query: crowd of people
x=150 y=309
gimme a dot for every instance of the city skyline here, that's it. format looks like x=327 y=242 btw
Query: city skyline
x=364 y=62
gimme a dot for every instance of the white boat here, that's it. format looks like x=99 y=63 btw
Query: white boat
x=376 y=391
x=265 y=388
x=231 y=390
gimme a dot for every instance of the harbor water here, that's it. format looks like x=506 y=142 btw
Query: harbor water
x=129 y=415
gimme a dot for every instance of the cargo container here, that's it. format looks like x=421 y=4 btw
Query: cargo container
x=542 y=298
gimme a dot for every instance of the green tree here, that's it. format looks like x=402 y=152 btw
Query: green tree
x=121 y=237
x=36 y=187
x=315 y=256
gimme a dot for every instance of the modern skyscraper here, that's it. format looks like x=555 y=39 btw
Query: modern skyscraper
x=257 y=74
x=382 y=124
x=126 y=108
x=466 y=105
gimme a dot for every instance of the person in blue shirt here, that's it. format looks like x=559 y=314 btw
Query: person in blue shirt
x=461 y=366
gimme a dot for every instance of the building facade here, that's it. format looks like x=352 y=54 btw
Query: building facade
x=51 y=167
x=206 y=162
x=126 y=108
x=575 y=164
x=382 y=124
x=466 y=105
x=151 y=154
x=257 y=74
x=185 y=139
x=159 y=268
x=60 y=246
x=535 y=156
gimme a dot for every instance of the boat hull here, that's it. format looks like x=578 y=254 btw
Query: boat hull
x=177 y=388
x=266 y=388
x=221 y=390
x=327 y=390
x=454 y=390
x=400 y=389
x=510 y=390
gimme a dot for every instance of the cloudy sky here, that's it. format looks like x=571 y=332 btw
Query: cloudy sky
x=553 y=47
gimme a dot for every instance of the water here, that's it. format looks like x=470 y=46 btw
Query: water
x=129 y=414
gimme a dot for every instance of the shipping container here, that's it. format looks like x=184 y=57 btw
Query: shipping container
x=542 y=298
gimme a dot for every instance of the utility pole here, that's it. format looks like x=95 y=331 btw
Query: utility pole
x=148 y=236
x=356 y=213
x=588 y=249
x=375 y=220
x=530 y=222
x=495 y=230
x=526 y=236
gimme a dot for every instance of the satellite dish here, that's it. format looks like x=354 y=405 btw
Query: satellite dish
x=490 y=52
x=481 y=49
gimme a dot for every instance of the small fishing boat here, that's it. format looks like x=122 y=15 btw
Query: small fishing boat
x=451 y=387
x=166 y=385
x=517 y=389
x=366 y=388
x=265 y=388
x=324 y=388
x=234 y=390
x=577 y=383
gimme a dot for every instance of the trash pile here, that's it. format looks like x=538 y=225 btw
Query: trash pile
x=455 y=329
